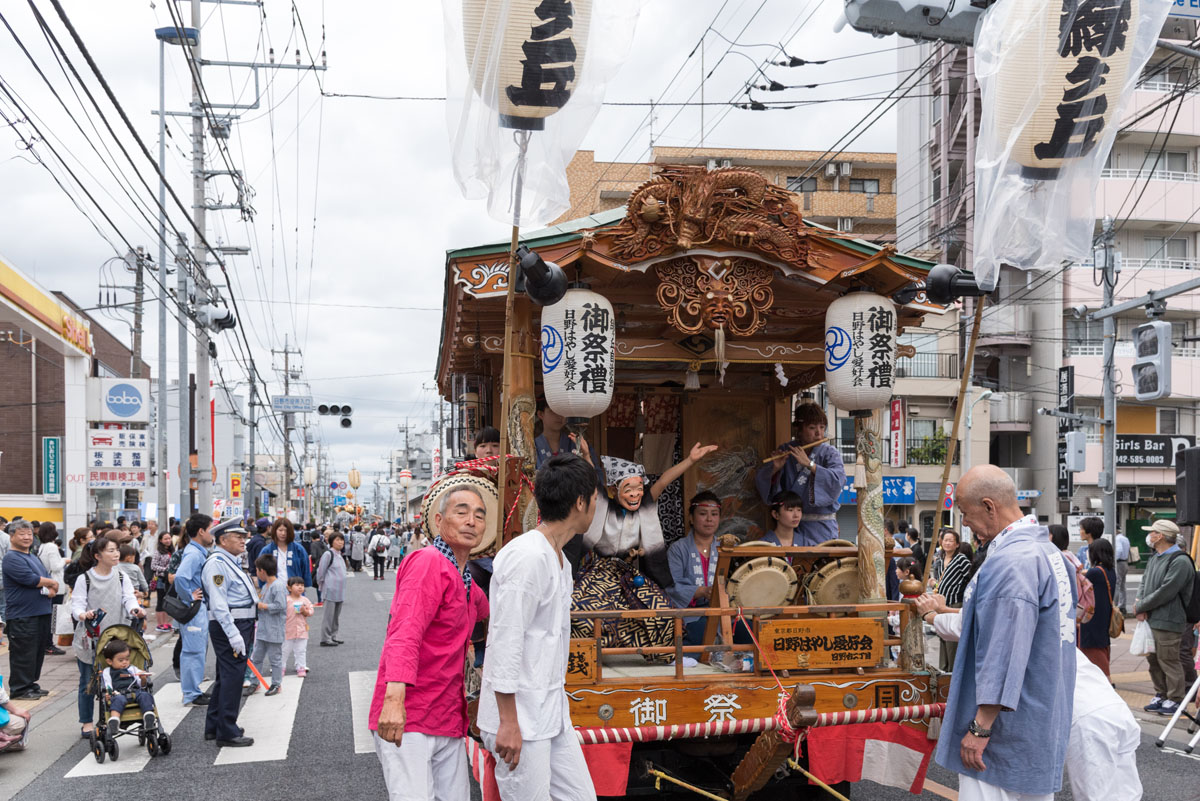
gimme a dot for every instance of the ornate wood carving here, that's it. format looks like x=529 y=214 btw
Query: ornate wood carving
x=688 y=207
x=701 y=293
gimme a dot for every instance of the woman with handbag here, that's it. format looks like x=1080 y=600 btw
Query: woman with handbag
x=1094 y=638
x=52 y=559
x=160 y=560
x=102 y=597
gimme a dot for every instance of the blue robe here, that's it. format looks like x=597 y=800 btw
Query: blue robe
x=687 y=571
x=1017 y=650
x=819 y=491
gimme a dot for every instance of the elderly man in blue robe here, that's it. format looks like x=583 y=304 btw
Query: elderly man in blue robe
x=815 y=474
x=1008 y=716
x=693 y=562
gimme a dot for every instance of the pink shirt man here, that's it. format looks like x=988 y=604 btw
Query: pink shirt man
x=426 y=644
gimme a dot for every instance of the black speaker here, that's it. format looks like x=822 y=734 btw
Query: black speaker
x=1187 y=486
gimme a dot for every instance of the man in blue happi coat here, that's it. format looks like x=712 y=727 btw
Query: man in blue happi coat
x=1008 y=715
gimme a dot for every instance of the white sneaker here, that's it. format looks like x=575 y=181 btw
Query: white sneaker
x=1168 y=708
x=689 y=661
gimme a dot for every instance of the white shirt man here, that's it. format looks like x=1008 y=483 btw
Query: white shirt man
x=524 y=715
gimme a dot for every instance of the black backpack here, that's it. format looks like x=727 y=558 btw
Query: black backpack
x=1192 y=608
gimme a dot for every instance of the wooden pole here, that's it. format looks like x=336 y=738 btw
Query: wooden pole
x=967 y=370
x=506 y=374
x=872 y=565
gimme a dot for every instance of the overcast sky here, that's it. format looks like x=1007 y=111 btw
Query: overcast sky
x=361 y=295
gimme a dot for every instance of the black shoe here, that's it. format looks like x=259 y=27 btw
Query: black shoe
x=249 y=690
x=336 y=641
x=34 y=695
x=201 y=700
x=114 y=726
x=210 y=735
x=149 y=722
x=274 y=689
x=236 y=742
x=54 y=651
x=323 y=645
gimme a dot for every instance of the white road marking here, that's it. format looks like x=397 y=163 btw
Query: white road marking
x=269 y=721
x=362 y=687
x=379 y=596
x=133 y=758
x=1170 y=750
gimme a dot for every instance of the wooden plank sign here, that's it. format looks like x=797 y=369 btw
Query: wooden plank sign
x=581 y=662
x=822 y=642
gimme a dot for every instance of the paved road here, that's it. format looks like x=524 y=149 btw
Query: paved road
x=312 y=742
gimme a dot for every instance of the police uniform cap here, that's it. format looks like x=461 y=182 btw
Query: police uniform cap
x=228 y=527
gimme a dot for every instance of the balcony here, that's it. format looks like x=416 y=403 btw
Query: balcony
x=1137 y=277
x=1006 y=324
x=1011 y=411
x=928 y=365
x=827 y=203
x=1162 y=196
x=919 y=452
x=1151 y=175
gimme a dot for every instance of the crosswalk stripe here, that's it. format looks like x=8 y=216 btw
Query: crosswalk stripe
x=171 y=712
x=379 y=597
x=362 y=687
x=269 y=721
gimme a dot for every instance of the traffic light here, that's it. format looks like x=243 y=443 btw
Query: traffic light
x=944 y=20
x=335 y=410
x=1075 y=458
x=1152 y=360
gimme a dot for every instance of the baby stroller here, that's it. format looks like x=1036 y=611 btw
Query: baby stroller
x=155 y=740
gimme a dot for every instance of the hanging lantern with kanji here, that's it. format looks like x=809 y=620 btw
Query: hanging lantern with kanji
x=579 y=339
x=860 y=351
x=525 y=56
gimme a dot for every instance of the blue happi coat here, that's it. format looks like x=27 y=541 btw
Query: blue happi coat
x=818 y=491
x=688 y=572
x=1017 y=650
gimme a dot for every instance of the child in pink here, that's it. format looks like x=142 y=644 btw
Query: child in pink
x=295 y=628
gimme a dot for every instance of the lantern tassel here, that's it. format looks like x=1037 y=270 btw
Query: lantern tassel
x=719 y=352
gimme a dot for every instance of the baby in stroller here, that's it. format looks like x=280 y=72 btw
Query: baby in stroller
x=121 y=682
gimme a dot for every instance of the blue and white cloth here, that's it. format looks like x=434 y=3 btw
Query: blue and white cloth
x=445 y=551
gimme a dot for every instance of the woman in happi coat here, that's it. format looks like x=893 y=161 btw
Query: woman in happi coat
x=625 y=556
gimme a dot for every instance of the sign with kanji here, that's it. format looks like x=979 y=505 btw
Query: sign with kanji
x=899 y=454
x=822 y=643
x=581 y=661
x=124 y=457
x=117 y=479
x=116 y=439
x=897 y=490
x=52 y=468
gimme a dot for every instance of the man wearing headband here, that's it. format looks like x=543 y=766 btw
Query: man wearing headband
x=816 y=475
x=693 y=561
x=232 y=609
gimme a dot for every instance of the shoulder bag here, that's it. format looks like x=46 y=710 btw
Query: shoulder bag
x=1116 y=621
x=179 y=609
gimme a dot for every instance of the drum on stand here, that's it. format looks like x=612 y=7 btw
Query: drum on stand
x=763 y=581
x=834 y=584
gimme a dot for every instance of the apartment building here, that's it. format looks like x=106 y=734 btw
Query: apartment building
x=856 y=194
x=1034 y=326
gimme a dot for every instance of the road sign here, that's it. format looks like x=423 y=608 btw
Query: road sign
x=292 y=403
x=333 y=485
x=948 y=497
x=339 y=500
x=235 y=487
x=1028 y=495
x=341 y=485
x=52 y=468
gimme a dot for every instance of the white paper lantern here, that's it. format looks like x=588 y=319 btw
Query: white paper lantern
x=525 y=56
x=1062 y=68
x=860 y=351
x=579 y=338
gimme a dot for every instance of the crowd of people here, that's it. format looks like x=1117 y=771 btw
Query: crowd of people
x=239 y=588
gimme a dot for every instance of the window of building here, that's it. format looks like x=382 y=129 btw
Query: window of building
x=936 y=108
x=1084 y=332
x=798 y=184
x=869 y=186
x=1157 y=247
x=921 y=428
x=937 y=185
x=1168 y=421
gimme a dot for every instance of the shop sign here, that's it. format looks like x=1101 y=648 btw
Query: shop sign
x=120 y=400
x=126 y=458
x=899 y=450
x=109 y=438
x=76 y=332
x=824 y=643
x=897 y=490
x=235 y=487
x=116 y=479
x=1151 y=450
x=52 y=468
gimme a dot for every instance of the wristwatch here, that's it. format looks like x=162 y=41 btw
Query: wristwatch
x=974 y=728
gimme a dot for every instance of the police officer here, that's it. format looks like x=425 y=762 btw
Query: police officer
x=193 y=635
x=232 y=609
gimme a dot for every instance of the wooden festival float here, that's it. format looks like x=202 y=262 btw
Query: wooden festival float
x=719 y=293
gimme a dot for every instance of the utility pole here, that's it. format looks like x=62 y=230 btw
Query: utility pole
x=161 y=432
x=288 y=423
x=185 y=409
x=253 y=505
x=139 y=291
x=1108 y=431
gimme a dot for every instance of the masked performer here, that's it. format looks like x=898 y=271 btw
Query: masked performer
x=625 y=565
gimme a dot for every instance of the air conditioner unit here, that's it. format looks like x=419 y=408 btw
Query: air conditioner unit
x=712 y=164
x=846 y=167
x=726 y=163
x=1145 y=493
x=831 y=170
